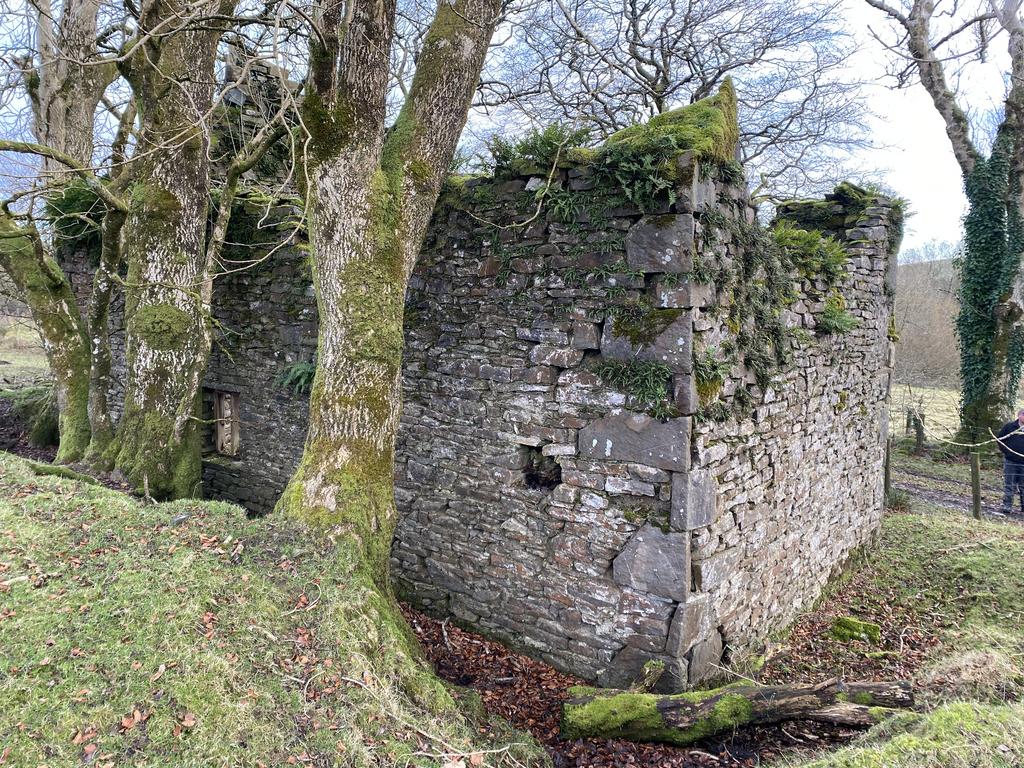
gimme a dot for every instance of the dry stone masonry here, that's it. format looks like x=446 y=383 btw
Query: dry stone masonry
x=685 y=536
x=635 y=426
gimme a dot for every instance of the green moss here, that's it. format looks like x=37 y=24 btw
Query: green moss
x=843 y=402
x=812 y=254
x=892 y=333
x=163 y=326
x=151 y=457
x=637 y=716
x=329 y=126
x=708 y=128
x=858 y=698
x=640 y=322
x=55 y=470
x=47 y=291
x=846 y=628
x=710 y=367
x=361 y=498
x=262 y=675
x=960 y=735
x=153 y=197
x=842 y=208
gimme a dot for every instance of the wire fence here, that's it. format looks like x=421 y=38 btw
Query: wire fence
x=933 y=414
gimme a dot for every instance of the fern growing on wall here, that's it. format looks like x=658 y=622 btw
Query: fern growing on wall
x=298 y=377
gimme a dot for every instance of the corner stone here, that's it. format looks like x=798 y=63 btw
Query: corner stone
x=705 y=658
x=638 y=438
x=687 y=625
x=673 y=346
x=655 y=562
x=694 y=500
x=661 y=244
x=628 y=667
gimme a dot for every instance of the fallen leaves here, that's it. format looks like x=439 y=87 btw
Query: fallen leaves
x=186 y=722
x=529 y=694
x=133 y=718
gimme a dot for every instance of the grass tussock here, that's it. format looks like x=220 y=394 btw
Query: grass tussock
x=956 y=735
x=185 y=635
x=971 y=574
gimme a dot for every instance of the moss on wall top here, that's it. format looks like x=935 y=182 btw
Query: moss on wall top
x=709 y=128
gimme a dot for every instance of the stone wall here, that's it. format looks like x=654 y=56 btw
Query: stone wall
x=546 y=496
x=685 y=539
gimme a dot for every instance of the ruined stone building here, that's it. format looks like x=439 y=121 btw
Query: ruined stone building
x=636 y=424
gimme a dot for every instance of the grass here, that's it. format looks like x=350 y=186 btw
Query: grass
x=962 y=580
x=185 y=634
x=941 y=409
x=22 y=360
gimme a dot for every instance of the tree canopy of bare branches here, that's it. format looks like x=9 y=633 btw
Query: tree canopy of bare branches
x=607 y=64
x=936 y=42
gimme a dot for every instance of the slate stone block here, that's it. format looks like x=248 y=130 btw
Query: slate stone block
x=627 y=667
x=694 y=500
x=661 y=243
x=706 y=658
x=673 y=346
x=685 y=293
x=655 y=562
x=687 y=625
x=637 y=437
x=542 y=354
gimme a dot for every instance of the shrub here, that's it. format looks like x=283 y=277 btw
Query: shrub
x=539 y=147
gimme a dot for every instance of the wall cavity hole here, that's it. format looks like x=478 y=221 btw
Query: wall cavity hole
x=539 y=471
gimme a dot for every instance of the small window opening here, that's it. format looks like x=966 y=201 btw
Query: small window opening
x=225 y=415
x=540 y=471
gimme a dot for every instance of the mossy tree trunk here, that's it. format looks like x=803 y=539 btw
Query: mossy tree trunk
x=64 y=81
x=688 y=717
x=371 y=192
x=166 y=320
x=48 y=293
x=990 y=325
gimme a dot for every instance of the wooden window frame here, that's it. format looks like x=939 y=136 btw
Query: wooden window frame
x=227 y=427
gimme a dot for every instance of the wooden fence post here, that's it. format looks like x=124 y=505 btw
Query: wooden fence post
x=976 y=484
x=888 y=469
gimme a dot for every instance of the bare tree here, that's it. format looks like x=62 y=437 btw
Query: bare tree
x=926 y=307
x=608 y=64
x=371 y=190
x=62 y=74
x=935 y=44
x=153 y=197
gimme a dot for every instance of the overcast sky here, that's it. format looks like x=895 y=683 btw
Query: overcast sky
x=916 y=160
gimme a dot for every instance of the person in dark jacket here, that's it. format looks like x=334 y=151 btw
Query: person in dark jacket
x=1011 y=443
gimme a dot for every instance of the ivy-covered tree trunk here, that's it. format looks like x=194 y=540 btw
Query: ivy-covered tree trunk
x=166 y=320
x=48 y=293
x=990 y=324
x=370 y=196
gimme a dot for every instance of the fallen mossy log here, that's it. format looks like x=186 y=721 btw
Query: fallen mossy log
x=684 y=718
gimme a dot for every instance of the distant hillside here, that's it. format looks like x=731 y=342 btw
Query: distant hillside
x=926 y=309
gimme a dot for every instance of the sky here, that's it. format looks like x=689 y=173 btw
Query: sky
x=914 y=154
